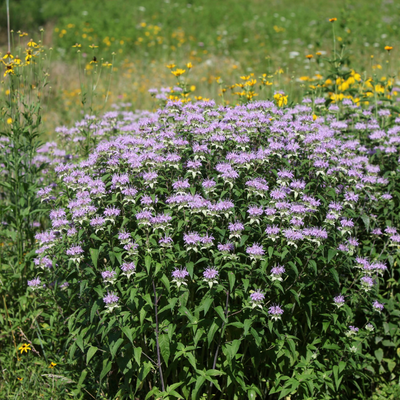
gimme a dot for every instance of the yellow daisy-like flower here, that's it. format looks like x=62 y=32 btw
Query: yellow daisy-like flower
x=178 y=72
x=9 y=70
x=31 y=43
x=8 y=55
x=22 y=34
x=92 y=46
x=332 y=19
x=77 y=45
x=170 y=66
x=388 y=48
x=9 y=121
x=52 y=365
x=309 y=56
x=20 y=379
x=189 y=65
x=24 y=347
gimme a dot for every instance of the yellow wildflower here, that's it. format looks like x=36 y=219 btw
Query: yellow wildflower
x=178 y=72
x=170 y=66
x=52 y=365
x=31 y=43
x=9 y=121
x=92 y=46
x=77 y=45
x=281 y=99
x=388 y=48
x=24 y=347
x=189 y=65
x=332 y=19
x=309 y=56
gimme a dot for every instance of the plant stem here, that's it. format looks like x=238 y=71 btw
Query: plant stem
x=158 y=345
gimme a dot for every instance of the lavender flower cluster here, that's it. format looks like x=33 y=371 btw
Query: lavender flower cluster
x=189 y=173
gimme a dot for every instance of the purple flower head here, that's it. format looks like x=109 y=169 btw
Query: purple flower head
x=34 y=283
x=226 y=248
x=376 y=231
x=128 y=269
x=108 y=276
x=111 y=212
x=390 y=230
x=256 y=298
x=144 y=217
x=275 y=312
x=210 y=275
x=235 y=229
x=278 y=194
x=255 y=252
x=352 y=331
x=208 y=184
x=276 y=273
x=207 y=241
x=124 y=236
x=111 y=301
x=377 y=306
x=166 y=241
x=192 y=240
x=43 y=262
x=367 y=283
x=338 y=301
x=179 y=276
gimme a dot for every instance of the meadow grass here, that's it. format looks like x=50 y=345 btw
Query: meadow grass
x=227 y=40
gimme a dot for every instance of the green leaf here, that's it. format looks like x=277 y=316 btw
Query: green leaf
x=94 y=254
x=219 y=310
x=365 y=219
x=207 y=304
x=232 y=278
x=116 y=346
x=163 y=341
x=143 y=372
x=379 y=354
x=230 y=350
x=331 y=254
x=106 y=368
x=137 y=352
x=127 y=333
x=199 y=383
x=79 y=342
x=190 y=268
x=211 y=332
x=91 y=352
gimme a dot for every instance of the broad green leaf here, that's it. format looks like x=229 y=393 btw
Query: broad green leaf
x=163 y=341
x=94 y=254
x=232 y=278
x=106 y=368
x=379 y=354
x=116 y=346
x=331 y=254
x=137 y=352
x=91 y=352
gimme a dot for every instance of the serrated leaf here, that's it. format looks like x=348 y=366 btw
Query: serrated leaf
x=163 y=341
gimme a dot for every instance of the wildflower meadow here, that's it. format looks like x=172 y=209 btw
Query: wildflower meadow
x=203 y=203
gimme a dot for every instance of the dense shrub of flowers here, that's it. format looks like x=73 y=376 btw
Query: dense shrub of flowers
x=235 y=251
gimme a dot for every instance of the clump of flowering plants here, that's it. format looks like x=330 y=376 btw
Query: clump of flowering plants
x=225 y=252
